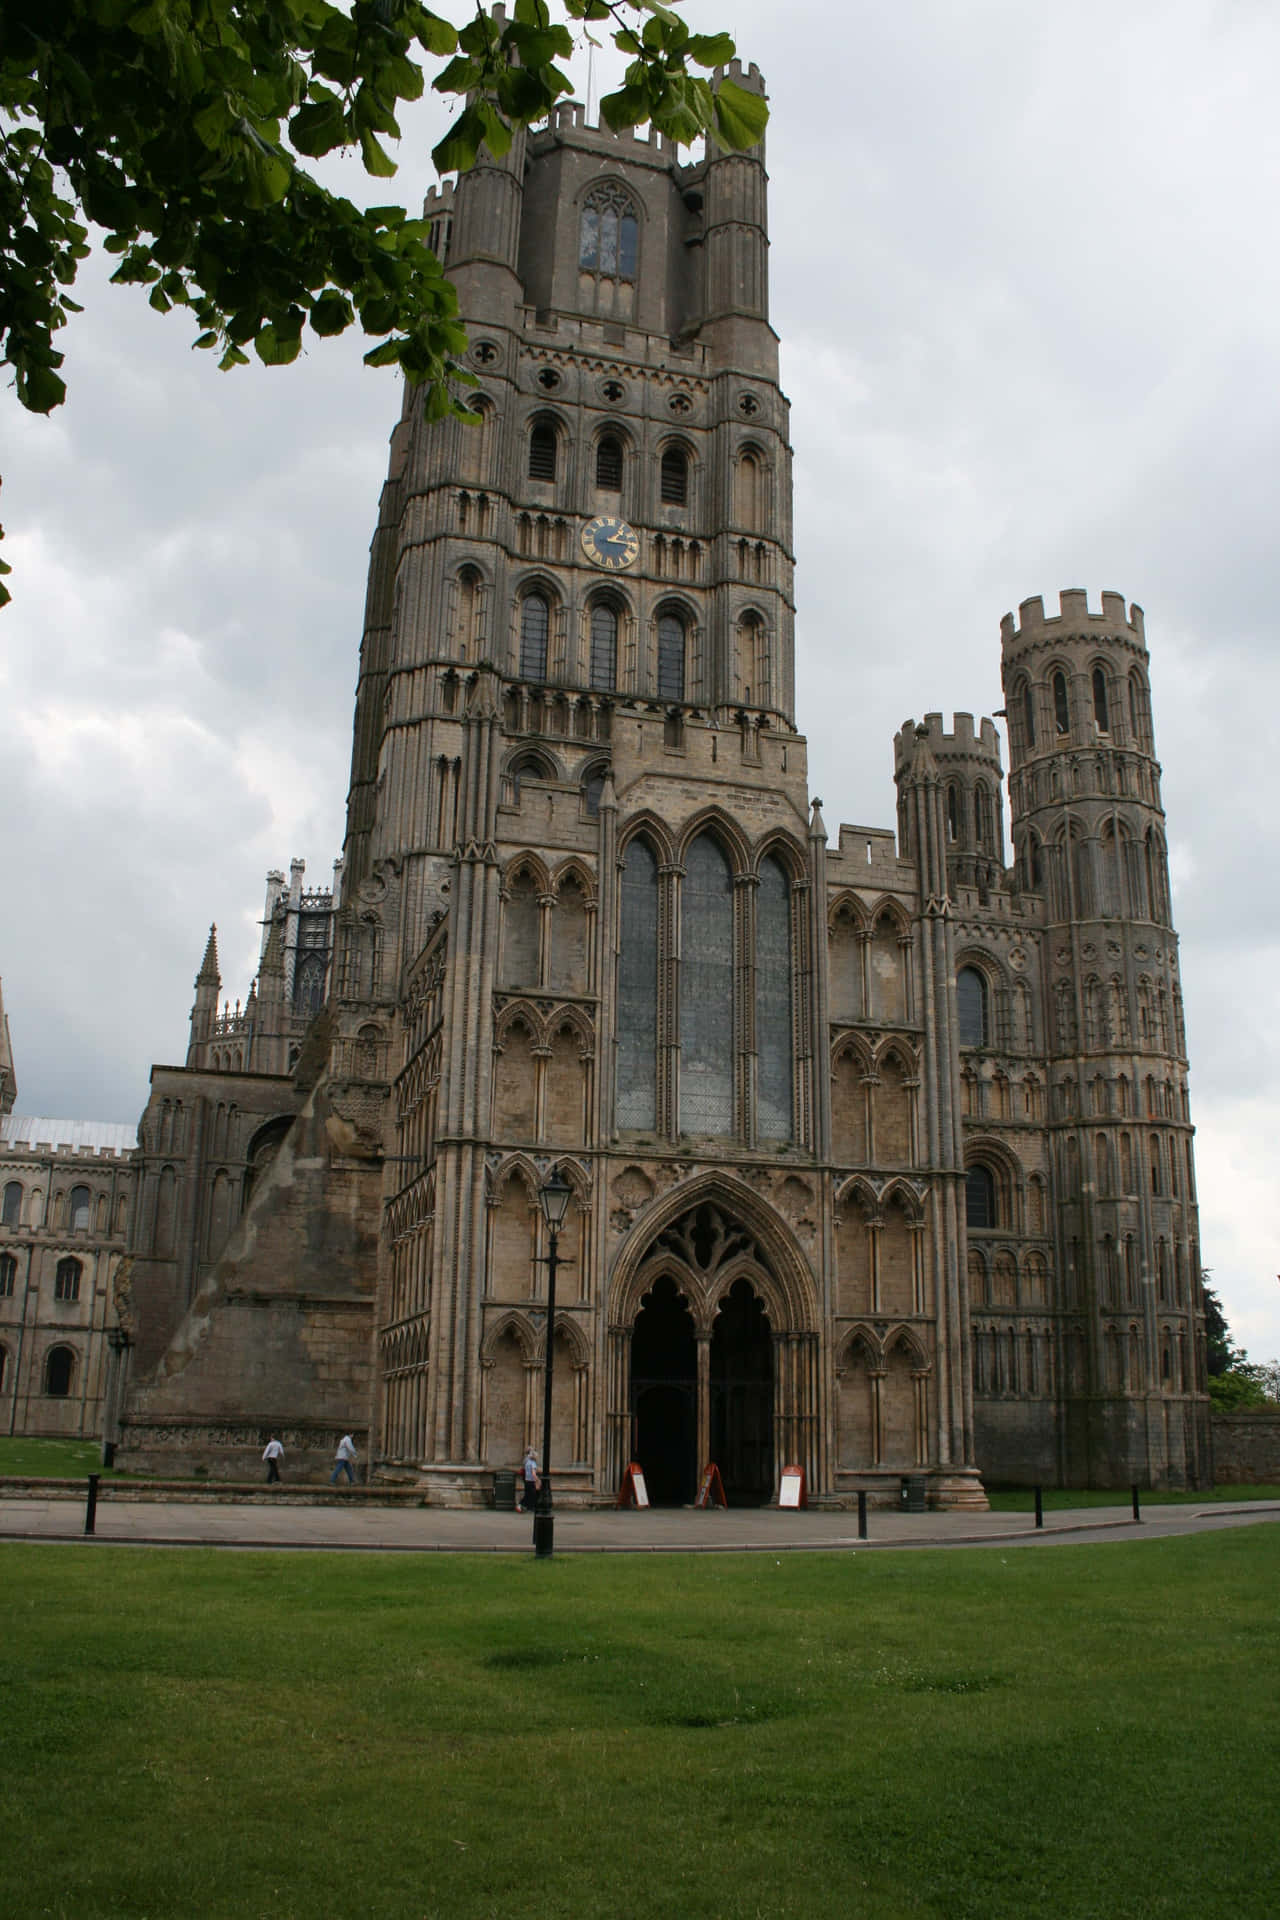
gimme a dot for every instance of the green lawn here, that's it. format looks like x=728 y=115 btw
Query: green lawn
x=52 y=1459
x=1062 y=1731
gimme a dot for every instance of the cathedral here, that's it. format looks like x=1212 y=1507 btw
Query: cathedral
x=878 y=1145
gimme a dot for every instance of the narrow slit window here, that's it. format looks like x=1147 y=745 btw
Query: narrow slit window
x=1061 y=705
x=542 y=453
x=670 y=658
x=609 y=464
x=1100 y=709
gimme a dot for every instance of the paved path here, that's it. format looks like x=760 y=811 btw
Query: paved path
x=355 y=1527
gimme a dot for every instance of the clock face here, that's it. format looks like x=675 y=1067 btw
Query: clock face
x=610 y=542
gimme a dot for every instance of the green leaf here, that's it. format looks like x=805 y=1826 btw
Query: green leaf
x=741 y=117
x=39 y=388
x=332 y=313
x=711 y=49
x=276 y=348
x=376 y=160
x=385 y=355
x=233 y=358
x=319 y=127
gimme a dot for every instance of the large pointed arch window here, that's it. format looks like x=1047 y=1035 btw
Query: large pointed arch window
x=707 y=993
x=637 y=1088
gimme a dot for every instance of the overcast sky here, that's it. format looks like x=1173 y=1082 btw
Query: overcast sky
x=1024 y=275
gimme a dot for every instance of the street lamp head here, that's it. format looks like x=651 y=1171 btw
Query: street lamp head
x=554 y=1196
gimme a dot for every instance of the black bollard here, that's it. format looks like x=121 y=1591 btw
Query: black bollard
x=862 y=1514
x=1039 y=1508
x=1137 y=1511
x=91 y=1504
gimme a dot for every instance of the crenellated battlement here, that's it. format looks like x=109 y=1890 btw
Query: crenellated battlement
x=1034 y=625
x=78 y=1140
x=964 y=741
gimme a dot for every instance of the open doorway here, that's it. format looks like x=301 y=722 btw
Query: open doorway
x=664 y=1394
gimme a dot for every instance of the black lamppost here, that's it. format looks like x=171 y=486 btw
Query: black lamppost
x=553 y=1196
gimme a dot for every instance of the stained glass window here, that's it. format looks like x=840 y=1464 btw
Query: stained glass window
x=608 y=236
x=535 y=621
x=773 y=1003
x=706 y=992
x=637 y=1089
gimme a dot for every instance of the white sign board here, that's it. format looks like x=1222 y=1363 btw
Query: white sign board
x=639 y=1488
x=791 y=1487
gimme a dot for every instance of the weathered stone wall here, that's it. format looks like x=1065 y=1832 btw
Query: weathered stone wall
x=281 y=1335
x=1246 y=1448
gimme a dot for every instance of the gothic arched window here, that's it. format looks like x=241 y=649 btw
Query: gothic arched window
x=671 y=638
x=953 y=813
x=78 y=1210
x=604 y=648
x=12 y=1214
x=972 y=1007
x=8 y=1274
x=66 y=1280
x=608 y=234
x=980 y=1198
x=535 y=625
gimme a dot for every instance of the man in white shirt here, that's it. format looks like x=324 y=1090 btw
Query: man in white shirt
x=273 y=1454
x=345 y=1461
x=531 y=1481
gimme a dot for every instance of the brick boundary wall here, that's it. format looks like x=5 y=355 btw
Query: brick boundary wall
x=1246 y=1448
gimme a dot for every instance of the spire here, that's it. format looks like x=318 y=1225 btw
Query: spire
x=205 y=1010
x=8 y=1076
x=209 y=974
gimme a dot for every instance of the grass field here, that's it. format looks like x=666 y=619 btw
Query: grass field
x=1072 y=1731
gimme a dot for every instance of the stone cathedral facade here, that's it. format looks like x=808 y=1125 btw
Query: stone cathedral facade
x=880 y=1150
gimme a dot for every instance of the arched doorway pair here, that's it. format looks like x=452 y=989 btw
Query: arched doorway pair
x=738 y=1389
x=705 y=1363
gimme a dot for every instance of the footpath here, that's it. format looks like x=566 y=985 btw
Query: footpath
x=347 y=1521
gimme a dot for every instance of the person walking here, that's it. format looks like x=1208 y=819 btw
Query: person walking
x=273 y=1454
x=532 y=1482
x=345 y=1461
